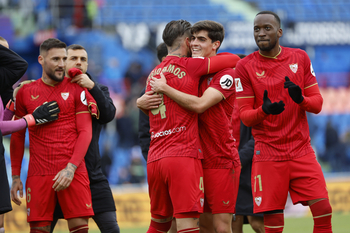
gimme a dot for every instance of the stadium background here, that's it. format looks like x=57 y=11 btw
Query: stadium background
x=120 y=37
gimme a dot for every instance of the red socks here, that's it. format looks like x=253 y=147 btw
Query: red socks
x=274 y=223
x=322 y=213
x=156 y=227
x=79 y=229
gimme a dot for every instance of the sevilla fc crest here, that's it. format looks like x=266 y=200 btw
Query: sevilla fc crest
x=258 y=201
x=294 y=67
x=65 y=95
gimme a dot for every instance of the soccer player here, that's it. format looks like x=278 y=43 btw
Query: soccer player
x=12 y=68
x=102 y=198
x=275 y=87
x=218 y=119
x=57 y=168
x=174 y=161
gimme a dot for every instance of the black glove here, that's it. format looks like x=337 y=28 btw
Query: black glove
x=294 y=91
x=272 y=108
x=43 y=114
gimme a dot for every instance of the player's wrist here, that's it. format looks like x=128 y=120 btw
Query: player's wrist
x=30 y=120
x=10 y=105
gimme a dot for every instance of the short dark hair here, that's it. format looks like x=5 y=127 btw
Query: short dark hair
x=216 y=31
x=75 y=47
x=176 y=29
x=271 y=13
x=2 y=39
x=241 y=56
x=50 y=44
x=162 y=51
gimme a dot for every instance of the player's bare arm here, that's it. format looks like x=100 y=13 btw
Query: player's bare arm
x=83 y=80
x=16 y=186
x=64 y=177
x=193 y=103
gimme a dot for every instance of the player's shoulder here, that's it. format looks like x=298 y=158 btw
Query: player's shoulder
x=295 y=51
x=71 y=86
x=248 y=59
x=226 y=71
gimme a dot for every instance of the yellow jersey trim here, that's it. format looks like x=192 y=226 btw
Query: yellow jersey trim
x=310 y=86
x=275 y=57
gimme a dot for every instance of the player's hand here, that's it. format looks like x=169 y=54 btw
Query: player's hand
x=16 y=186
x=20 y=85
x=149 y=100
x=158 y=84
x=83 y=80
x=272 y=108
x=294 y=91
x=45 y=113
x=64 y=177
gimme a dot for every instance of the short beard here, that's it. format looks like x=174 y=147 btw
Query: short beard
x=269 y=47
x=54 y=78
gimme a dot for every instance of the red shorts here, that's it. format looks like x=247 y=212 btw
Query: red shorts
x=75 y=200
x=175 y=186
x=221 y=189
x=271 y=181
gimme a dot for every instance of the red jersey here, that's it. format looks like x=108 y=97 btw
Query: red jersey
x=284 y=136
x=52 y=144
x=217 y=124
x=173 y=129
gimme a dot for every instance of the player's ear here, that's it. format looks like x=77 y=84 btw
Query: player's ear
x=279 y=32
x=41 y=60
x=216 y=45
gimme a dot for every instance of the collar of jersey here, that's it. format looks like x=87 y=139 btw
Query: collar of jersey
x=275 y=57
x=52 y=85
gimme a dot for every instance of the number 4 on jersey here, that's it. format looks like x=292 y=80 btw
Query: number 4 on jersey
x=161 y=108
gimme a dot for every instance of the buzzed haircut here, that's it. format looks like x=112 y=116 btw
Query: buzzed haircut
x=271 y=13
x=75 y=47
x=2 y=39
x=176 y=29
x=50 y=44
x=162 y=51
x=216 y=31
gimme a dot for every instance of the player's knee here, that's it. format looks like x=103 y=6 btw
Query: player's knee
x=40 y=226
x=258 y=227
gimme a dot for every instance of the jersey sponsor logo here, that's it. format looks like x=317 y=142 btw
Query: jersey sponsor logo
x=34 y=97
x=262 y=75
x=294 y=67
x=83 y=98
x=238 y=85
x=226 y=81
x=65 y=95
x=312 y=70
x=168 y=132
x=258 y=201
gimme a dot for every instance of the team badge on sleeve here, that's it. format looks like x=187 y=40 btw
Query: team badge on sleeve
x=312 y=70
x=226 y=81
x=294 y=67
x=83 y=98
x=238 y=85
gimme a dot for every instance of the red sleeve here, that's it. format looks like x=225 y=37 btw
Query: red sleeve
x=223 y=82
x=17 y=151
x=248 y=114
x=309 y=73
x=84 y=128
x=312 y=100
x=221 y=62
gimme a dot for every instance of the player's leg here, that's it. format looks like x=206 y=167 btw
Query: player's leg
x=40 y=226
x=78 y=225
x=270 y=185
x=187 y=222
x=173 y=226
x=56 y=215
x=76 y=204
x=53 y=224
x=222 y=222
x=322 y=213
x=107 y=222
x=308 y=187
x=2 y=219
x=257 y=223
x=161 y=205
x=206 y=221
x=237 y=223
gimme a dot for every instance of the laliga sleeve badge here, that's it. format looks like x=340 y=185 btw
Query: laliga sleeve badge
x=312 y=70
x=83 y=98
x=238 y=85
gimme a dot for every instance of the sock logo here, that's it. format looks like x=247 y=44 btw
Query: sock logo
x=258 y=201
